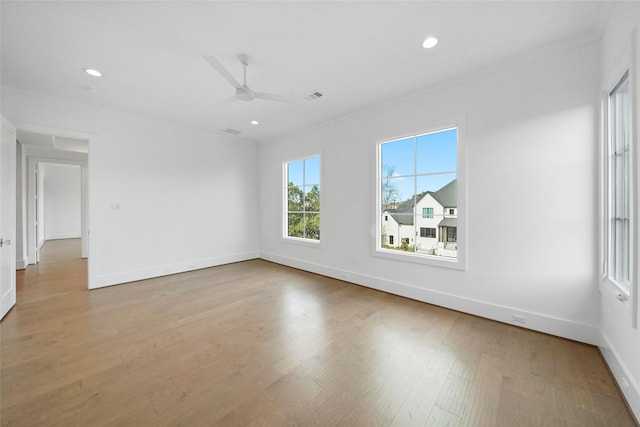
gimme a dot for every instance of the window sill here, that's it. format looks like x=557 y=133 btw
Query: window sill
x=303 y=242
x=432 y=260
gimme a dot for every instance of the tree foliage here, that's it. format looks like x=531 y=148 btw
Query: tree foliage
x=390 y=193
x=303 y=211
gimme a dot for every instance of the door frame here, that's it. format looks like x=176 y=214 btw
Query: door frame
x=8 y=298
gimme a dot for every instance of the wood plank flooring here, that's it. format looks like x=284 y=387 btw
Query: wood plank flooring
x=258 y=344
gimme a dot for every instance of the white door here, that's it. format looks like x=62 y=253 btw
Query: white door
x=7 y=217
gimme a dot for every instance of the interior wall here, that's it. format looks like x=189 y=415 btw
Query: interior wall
x=531 y=131
x=62 y=201
x=40 y=196
x=22 y=259
x=162 y=198
x=621 y=340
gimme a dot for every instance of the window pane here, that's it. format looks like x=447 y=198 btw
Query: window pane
x=440 y=189
x=619 y=182
x=312 y=198
x=312 y=171
x=397 y=158
x=396 y=192
x=418 y=185
x=437 y=152
x=303 y=198
x=295 y=226
x=312 y=226
x=295 y=172
x=295 y=197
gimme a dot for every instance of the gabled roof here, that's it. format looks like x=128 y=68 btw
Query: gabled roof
x=402 y=218
x=447 y=196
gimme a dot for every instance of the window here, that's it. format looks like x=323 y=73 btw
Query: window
x=428 y=232
x=386 y=217
x=303 y=199
x=619 y=179
x=391 y=240
x=418 y=179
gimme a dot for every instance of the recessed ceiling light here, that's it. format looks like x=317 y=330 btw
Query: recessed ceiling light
x=254 y=122
x=93 y=72
x=430 y=42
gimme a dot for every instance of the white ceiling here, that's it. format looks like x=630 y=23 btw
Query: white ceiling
x=358 y=53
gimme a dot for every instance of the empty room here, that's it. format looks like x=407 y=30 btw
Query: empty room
x=329 y=213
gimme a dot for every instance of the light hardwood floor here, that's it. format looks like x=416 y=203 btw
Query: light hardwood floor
x=258 y=344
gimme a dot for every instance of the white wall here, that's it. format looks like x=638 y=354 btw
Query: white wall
x=21 y=209
x=62 y=201
x=158 y=192
x=531 y=168
x=40 y=195
x=621 y=341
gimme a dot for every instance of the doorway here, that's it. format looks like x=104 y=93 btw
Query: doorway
x=58 y=204
x=54 y=191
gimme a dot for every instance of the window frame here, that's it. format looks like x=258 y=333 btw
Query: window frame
x=285 y=202
x=459 y=263
x=623 y=298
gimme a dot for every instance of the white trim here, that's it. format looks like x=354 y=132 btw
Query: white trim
x=169 y=269
x=22 y=264
x=459 y=263
x=536 y=321
x=63 y=236
x=631 y=392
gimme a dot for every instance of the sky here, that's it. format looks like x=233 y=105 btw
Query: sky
x=304 y=172
x=423 y=163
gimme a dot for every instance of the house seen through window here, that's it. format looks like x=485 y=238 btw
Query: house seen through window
x=303 y=198
x=418 y=194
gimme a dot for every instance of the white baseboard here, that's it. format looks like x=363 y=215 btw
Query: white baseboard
x=165 y=270
x=631 y=391
x=21 y=264
x=63 y=236
x=539 y=322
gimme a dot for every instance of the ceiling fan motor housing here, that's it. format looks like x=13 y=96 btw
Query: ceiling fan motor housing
x=244 y=93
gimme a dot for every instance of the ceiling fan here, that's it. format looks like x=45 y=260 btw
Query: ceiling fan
x=244 y=92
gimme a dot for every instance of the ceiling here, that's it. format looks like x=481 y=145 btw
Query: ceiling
x=357 y=53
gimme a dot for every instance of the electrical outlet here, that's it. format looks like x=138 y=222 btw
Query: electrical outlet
x=625 y=386
x=518 y=318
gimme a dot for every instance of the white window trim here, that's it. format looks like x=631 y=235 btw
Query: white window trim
x=459 y=263
x=285 y=205
x=624 y=300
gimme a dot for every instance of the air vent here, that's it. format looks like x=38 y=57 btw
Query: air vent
x=233 y=131
x=314 y=95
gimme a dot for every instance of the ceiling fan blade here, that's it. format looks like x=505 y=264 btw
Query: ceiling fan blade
x=272 y=97
x=223 y=71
